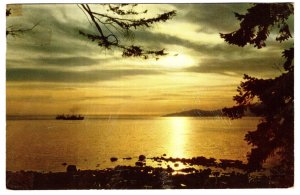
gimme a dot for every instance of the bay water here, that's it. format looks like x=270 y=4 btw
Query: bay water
x=41 y=143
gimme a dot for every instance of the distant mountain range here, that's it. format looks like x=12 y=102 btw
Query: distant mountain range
x=202 y=113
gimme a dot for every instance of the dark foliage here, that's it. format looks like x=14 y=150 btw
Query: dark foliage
x=8 y=12
x=115 y=21
x=255 y=26
x=275 y=132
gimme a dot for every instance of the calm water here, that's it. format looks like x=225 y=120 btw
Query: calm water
x=44 y=144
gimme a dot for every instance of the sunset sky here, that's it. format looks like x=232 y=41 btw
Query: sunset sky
x=54 y=70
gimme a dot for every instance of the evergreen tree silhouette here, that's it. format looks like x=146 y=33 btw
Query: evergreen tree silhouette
x=273 y=99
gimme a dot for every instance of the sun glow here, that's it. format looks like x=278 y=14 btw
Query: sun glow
x=176 y=61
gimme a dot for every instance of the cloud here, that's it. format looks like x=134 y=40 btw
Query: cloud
x=160 y=40
x=68 y=61
x=264 y=66
x=32 y=98
x=57 y=33
x=211 y=17
x=107 y=97
x=69 y=49
x=44 y=75
x=215 y=17
x=39 y=87
x=56 y=61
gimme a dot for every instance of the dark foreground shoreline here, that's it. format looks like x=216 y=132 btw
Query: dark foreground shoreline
x=147 y=177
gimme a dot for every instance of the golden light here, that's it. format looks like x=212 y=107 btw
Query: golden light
x=178 y=138
x=176 y=61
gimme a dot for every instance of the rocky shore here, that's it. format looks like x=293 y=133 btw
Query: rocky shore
x=233 y=174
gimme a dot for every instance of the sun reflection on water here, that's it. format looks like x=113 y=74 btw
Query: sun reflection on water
x=178 y=139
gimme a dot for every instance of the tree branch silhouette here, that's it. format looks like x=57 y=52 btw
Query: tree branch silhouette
x=119 y=19
x=15 y=31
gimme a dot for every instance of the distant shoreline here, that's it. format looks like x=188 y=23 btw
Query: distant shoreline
x=203 y=113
